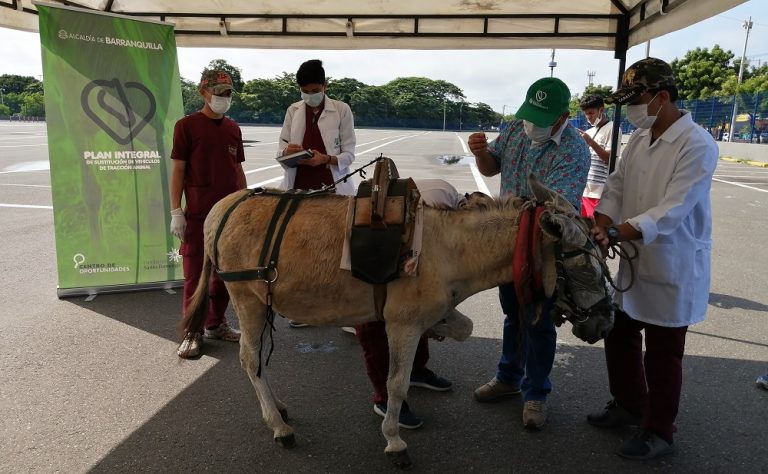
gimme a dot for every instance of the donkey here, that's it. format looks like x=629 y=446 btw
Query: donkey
x=464 y=252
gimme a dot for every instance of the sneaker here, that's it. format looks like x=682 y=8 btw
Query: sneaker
x=190 y=346
x=296 y=324
x=428 y=379
x=645 y=446
x=223 y=332
x=408 y=419
x=349 y=329
x=613 y=416
x=534 y=414
x=762 y=381
x=494 y=390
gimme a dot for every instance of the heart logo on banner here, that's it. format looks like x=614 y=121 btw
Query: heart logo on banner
x=127 y=116
x=540 y=96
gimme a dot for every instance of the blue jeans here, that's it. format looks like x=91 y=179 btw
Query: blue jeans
x=528 y=366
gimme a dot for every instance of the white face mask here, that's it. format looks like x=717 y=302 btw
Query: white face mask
x=220 y=105
x=597 y=120
x=638 y=115
x=535 y=133
x=313 y=100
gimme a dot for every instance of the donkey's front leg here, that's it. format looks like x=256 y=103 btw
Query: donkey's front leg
x=402 y=340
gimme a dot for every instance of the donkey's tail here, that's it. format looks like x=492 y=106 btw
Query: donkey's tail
x=193 y=319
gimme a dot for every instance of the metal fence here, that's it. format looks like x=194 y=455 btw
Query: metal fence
x=715 y=114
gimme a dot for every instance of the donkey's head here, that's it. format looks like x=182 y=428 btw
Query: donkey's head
x=572 y=269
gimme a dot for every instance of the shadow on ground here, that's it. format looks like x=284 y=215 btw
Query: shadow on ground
x=215 y=423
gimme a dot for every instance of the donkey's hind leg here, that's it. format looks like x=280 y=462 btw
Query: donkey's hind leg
x=251 y=313
x=403 y=340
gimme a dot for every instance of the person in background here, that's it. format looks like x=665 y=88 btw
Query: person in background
x=323 y=125
x=542 y=142
x=658 y=198
x=373 y=336
x=207 y=155
x=598 y=138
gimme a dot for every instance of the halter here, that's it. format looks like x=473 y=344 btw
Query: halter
x=565 y=307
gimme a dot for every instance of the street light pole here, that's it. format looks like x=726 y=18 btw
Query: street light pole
x=748 y=26
x=461 y=106
x=445 y=101
x=2 y=102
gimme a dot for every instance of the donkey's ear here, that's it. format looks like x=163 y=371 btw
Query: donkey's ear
x=563 y=228
x=544 y=194
x=540 y=192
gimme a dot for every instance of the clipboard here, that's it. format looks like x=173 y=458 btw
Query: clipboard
x=292 y=160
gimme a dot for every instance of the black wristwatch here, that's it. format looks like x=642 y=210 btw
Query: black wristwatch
x=613 y=235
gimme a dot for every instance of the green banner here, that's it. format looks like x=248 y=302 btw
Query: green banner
x=112 y=97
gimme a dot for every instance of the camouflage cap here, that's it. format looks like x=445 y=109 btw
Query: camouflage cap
x=216 y=81
x=646 y=74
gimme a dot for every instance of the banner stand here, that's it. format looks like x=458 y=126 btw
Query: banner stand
x=112 y=98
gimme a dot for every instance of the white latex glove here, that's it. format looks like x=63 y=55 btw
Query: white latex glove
x=178 y=223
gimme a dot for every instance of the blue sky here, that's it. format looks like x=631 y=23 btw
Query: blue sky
x=496 y=77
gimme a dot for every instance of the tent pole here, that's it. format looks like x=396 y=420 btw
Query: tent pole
x=620 y=53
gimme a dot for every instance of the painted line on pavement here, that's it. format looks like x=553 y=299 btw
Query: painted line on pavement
x=26 y=185
x=390 y=142
x=26 y=206
x=481 y=186
x=740 y=185
x=262 y=183
x=262 y=169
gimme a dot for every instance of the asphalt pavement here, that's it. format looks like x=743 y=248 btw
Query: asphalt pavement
x=95 y=386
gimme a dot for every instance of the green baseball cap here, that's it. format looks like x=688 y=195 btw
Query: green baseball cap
x=644 y=75
x=216 y=81
x=545 y=101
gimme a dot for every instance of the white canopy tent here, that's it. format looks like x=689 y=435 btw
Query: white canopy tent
x=401 y=24
x=612 y=25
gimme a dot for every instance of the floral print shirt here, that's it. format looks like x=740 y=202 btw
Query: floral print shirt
x=561 y=163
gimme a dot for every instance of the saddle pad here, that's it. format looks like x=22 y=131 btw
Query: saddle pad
x=394 y=211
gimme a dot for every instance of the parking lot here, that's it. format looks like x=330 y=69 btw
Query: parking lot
x=95 y=386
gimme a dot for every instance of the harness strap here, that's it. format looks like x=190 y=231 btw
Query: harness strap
x=223 y=222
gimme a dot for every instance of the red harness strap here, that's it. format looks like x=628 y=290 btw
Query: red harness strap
x=526 y=261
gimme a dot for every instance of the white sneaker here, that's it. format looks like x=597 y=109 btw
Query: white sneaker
x=223 y=332
x=349 y=329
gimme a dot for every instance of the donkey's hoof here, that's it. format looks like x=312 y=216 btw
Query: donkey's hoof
x=287 y=441
x=284 y=415
x=400 y=459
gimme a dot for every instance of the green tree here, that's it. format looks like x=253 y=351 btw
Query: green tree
x=371 y=105
x=268 y=99
x=13 y=83
x=191 y=97
x=342 y=89
x=601 y=90
x=700 y=74
x=4 y=110
x=420 y=101
x=33 y=105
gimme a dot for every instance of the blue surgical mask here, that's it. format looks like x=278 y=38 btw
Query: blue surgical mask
x=313 y=100
x=535 y=133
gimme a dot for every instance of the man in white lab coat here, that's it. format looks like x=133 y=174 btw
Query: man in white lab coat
x=658 y=197
x=320 y=124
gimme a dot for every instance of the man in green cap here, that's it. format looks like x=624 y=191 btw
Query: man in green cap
x=658 y=197
x=542 y=142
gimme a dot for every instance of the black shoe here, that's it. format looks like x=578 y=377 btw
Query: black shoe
x=645 y=446
x=408 y=419
x=425 y=378
x=613 y=416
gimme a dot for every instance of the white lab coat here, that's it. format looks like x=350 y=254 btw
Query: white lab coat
x=662 y=190
x=337 y=128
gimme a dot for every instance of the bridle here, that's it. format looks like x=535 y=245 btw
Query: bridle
x=565 y=307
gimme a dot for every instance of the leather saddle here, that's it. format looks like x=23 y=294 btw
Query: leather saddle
x=383 y=224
